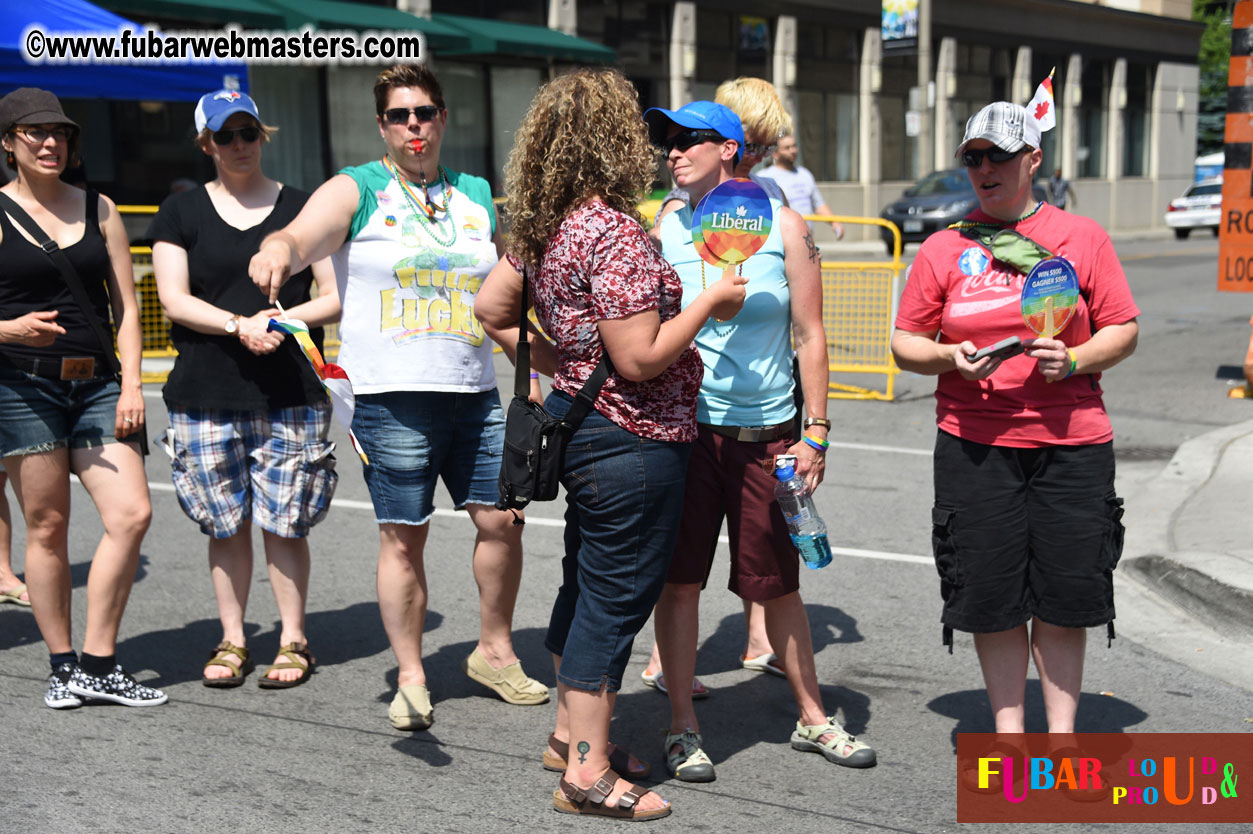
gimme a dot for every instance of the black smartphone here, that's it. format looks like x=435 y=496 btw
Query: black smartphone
x=1003 y=349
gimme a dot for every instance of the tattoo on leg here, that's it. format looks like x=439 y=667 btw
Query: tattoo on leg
x=583 y=748
x=814 y=255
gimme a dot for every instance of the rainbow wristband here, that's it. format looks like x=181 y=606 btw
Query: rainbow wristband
x=820 y=445
x=1073 y=363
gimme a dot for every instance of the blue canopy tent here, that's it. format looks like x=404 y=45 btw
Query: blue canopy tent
x=146 y=82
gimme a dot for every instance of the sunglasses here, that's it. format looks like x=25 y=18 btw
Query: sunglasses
x=973 y=159
x=690 y=139
x=227 y=135
x=400 y=115
x=39 y=135
x=754 y=149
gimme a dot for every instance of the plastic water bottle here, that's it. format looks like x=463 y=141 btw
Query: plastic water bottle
x=806 y=527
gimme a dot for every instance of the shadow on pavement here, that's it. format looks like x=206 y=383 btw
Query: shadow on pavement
x=1097 y=713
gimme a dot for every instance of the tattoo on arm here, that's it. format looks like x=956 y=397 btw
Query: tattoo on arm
x=814 y=254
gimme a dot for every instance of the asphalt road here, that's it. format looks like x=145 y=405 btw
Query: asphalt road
x=322 y=757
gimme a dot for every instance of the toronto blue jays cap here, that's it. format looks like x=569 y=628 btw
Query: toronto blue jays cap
x=214 y=109
x=700 y=115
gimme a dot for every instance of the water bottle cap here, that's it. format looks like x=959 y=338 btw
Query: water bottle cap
x=784 y=467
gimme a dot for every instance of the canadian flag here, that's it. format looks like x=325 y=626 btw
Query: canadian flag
x=1041 y=107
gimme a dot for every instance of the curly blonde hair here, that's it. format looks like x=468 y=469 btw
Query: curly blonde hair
x=757 y=103
x=583 y=137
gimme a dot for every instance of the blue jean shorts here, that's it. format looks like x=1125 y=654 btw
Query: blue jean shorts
x=38 y=414
x=414 y=437
x=273 y=467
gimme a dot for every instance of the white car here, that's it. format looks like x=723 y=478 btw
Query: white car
x=1201 y=206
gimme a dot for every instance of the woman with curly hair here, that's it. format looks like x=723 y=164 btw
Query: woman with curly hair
x=580 y=162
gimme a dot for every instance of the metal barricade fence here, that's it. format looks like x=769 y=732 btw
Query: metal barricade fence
x=858 y=310
x=159 y=352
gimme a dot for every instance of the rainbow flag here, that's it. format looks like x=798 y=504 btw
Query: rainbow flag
x=333 y=378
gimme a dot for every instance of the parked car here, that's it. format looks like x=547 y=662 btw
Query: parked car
x=933 y=203
x=1200 y=207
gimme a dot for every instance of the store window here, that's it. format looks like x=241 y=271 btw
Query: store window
x=1135 y=116
x=1091 y=115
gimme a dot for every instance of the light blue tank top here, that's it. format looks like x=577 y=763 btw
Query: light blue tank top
x=748 y=360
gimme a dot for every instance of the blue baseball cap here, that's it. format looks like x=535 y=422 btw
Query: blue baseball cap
x=700 y=115
x=214 y=109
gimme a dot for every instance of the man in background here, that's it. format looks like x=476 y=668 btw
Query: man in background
x=1060 y=190
x=797 y=182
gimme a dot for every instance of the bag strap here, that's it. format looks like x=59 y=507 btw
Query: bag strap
x=68 y=273
x=587 y=395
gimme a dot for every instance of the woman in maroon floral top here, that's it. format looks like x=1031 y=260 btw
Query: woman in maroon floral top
x=580 y=161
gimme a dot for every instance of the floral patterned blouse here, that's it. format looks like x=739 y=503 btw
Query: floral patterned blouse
x=601 y=264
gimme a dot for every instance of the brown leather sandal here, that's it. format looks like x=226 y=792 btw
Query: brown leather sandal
x=571 y=799
x=619 y=760
x=294 y=652
x=221 y=656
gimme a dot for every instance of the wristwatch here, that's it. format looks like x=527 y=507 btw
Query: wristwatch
x=817 y=421
x=232 y=326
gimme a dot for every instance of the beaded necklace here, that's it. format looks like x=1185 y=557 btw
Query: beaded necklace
x=425 y=214
x=975 y=224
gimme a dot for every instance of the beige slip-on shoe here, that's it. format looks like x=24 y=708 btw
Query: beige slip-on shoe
x=510 y=682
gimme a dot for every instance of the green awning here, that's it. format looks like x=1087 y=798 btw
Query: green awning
x=337 y=14
x=253 y=14
x=501 y=37
x=327 y=15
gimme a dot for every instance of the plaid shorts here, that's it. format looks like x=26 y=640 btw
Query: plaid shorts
x=274 y=467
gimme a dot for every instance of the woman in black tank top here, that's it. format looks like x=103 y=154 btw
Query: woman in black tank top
x=62 y=409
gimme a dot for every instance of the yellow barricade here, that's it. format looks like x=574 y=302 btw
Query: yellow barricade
x=858 y=311
x=159 y=352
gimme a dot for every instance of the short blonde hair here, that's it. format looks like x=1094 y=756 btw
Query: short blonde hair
x=757 y=104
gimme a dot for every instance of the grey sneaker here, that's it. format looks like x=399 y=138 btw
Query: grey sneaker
x=118 y=686
x=58 y=695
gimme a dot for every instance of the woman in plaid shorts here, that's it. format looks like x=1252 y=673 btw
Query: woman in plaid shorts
x=248 y=416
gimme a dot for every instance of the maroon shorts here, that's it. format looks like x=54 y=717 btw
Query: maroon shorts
x=725 y=479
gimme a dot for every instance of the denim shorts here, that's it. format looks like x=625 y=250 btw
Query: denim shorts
x=274 y=467
x=624 y=498
x=38 y=414
x=1021 y=533
x=414 y=437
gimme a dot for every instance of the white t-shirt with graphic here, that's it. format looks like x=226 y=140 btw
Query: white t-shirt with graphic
x=408 y=287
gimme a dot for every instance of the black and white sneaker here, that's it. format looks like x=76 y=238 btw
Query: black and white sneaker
x=118 y=686
x=58 y=695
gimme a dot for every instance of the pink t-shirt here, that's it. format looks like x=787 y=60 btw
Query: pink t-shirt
x=600 y=264
x=956 y=288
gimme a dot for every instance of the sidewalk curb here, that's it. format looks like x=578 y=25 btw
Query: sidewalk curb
x=1189 y=578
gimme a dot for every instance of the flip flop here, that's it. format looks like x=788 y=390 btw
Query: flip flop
x=657 y=680
x=14 y=595
x=768 y=662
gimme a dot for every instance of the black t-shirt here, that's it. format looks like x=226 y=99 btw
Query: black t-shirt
x=29 y=281
x=217 y=371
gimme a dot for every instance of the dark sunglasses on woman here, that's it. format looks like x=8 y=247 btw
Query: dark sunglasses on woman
x=400 y=115
x=690 y=138
x=227 y=135
x=973 y=159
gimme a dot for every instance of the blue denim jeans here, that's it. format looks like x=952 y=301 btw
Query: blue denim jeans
x=624 y=499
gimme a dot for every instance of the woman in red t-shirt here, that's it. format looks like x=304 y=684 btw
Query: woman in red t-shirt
x=580 y=161
x=1026 y=525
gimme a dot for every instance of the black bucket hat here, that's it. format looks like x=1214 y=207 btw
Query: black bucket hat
x=32 y=106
